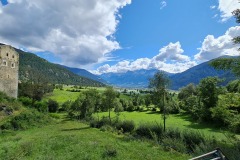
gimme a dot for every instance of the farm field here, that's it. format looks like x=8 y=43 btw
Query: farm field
x=74 y=140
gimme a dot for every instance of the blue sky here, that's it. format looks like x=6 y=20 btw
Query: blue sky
x=120 y=35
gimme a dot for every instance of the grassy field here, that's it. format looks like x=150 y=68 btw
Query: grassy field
x=181 y=121
x=74 y=140
x=62 y=96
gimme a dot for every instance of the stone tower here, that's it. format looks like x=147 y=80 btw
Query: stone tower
x=9 y=65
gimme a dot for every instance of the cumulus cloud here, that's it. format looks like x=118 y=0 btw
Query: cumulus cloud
x=169 y=59
x=226 y=7
x=80 y=32
x=214 y=47
x=172 y=51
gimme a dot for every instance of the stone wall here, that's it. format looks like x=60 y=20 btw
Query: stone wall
x=9 y=66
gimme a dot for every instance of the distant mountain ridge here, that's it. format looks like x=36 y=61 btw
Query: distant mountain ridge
x=130 y=79
x=85 y=73
x=140 y=78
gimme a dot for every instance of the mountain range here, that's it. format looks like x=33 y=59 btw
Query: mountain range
x=140 y=78
x=37 y=69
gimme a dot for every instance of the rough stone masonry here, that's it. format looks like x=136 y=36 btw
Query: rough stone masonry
x=9 y=67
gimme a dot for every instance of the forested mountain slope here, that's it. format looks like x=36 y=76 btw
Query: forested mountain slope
x=37 y=69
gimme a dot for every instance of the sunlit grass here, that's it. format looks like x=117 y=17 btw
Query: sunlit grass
x=75 y=140
x=181 y=121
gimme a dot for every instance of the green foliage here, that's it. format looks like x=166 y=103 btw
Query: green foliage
x=232 y=64
x=66 y=106
x=146 y=130
x=125 y=126
x=42 y=106
x=35 y=91
x=87 y=103
x=118 y=106
x=25 y=120
x=208 y=93
x=185 y=92
x=52 y=106
x=75 y=140
x=26 y=101
x=35 y=69
x=110 y=151
x=8 y=105
x=234 y=86
x=108 y=100
x=227 y=111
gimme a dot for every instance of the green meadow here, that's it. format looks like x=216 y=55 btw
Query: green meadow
x=180 y=121
x=67 y=139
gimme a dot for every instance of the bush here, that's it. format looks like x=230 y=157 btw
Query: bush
x=26 y=101
x=26 y=119
x=66 y=106
x=41 y=106
x=174 y=144
x=147 y=130
x=192 y=139
x=235 y=124
x=99 y=123
x=52 y=106
x=125 y=126
x=173 y=133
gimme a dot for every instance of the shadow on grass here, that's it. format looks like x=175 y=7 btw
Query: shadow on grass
x=194 y=124
x=76 y=129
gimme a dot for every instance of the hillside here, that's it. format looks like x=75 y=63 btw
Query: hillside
x=38 y=69
x=140 y=78
x=196 y=73
x=85 y=73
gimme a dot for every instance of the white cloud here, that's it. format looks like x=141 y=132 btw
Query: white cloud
x=214 y=47
x=77 y=31
x=226 y=8
x=173 y=52
x=163 y=4
x=212 y=7
x=169 y=59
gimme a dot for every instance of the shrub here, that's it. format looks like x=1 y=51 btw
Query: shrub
x=99 y=123
x=66 y=105
x=41 y=106
x=26 y=119
x=148 y=129
x=52 y=106
x=125 y=126
x=192 y=139
x=173 y=133
x=174 y=144
x=26 y=101
x=235 y=124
